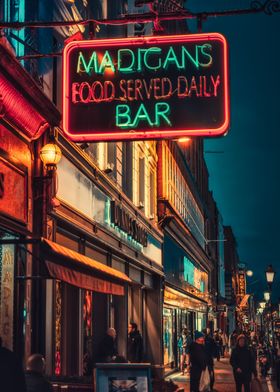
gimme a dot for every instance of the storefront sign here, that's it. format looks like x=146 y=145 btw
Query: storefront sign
x=146 y=88
x=122 y=219
x=7 y=294
x=241 y=284
x=12 y=187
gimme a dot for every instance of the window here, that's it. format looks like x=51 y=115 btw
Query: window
x=152 y=194
x=141 y=182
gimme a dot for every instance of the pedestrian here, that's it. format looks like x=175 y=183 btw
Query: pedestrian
x=211 y=350
x=232 y=340
x=225 y=343
x=108 y=347
x=11 y=372
x=184 y=343
x=134 y=344
x=243 y=364
x=198 y=360
x=34 y=375
x=219 y=344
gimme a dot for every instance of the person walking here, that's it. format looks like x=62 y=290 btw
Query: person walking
x=134 y=344
x=219 y=344
x=108 y=347
x=34 y=375
x=11 y=372
x=225 y=343
x=211 y=351
x=198 y=360
x=184 y=343
x=243 y=364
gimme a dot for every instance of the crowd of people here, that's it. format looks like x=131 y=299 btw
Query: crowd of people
x=243 y=348
x=197 y=355
x=14 y=379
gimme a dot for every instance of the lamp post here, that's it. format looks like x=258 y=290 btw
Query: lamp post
x=270 y=274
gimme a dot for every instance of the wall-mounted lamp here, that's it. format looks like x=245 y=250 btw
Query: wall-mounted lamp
x=50 y=155
x=266 y=295
x=262 y=304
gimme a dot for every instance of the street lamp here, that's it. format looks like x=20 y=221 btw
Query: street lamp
x=250 y=273
x=266 y=295
x=262 y=305
x=270 y=273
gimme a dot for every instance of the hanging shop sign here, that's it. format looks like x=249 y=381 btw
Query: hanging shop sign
x=241 y=284
x=146 y=88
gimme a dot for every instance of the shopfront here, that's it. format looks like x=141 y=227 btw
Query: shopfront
x=97 y=223
x=185 y=297
x=180 y=311
x=15 y=224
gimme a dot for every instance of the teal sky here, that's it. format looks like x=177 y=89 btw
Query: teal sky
x=245 y=177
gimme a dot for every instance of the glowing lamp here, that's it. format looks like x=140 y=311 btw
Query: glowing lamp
x=250 y=273
x=262 y=305
x=266 y=295
x=270 y=273
x=260 y=310
x=50 y=155
x=184 y=140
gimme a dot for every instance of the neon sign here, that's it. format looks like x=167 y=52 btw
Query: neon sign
x=146 y=88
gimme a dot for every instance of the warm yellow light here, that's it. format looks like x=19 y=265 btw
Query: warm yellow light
x=50 y=154
x=249 y=273
x=184 y=140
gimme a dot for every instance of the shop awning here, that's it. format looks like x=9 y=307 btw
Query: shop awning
x=81 y=271
x=244 y=301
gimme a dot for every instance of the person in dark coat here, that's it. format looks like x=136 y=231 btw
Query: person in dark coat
x=108 y=347
x=198 y=360
x=34 y=375
x=243 y=363
x=211 y=350
x=11 y=372
x=134 y=344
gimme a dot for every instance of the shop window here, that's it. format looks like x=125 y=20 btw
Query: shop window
x=141 y=183
x=7 y=292
x=127 y=168
x=168 y=336
x=87 y=333
x=152 y=194
x=96 y=254
x=67 y=241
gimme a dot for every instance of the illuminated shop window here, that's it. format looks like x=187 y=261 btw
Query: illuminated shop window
x=180 y=197
x=14 y=11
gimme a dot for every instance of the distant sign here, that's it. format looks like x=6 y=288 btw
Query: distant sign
x=146 y=88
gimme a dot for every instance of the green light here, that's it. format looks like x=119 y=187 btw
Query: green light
x=130 y=67
x=203 y=48
x=187 y=53
x=162 y=110
x=87 y=67
x=152 y=51
x=106 y=63
x=141 y=115
x=171 y=58
x=123 y=115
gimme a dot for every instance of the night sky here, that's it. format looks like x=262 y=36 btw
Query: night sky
x=245 y=177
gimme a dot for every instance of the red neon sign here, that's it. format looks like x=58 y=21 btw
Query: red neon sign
x=146 y=88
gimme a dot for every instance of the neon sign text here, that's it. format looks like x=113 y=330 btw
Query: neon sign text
x=153 y=86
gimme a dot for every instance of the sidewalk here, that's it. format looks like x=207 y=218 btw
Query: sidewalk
x=224 y=381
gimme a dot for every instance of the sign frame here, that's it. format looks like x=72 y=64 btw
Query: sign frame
x=141 y=134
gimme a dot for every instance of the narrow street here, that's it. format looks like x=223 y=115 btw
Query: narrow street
x=224 y=381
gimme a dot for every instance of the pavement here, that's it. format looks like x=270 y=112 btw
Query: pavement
x=224 y=381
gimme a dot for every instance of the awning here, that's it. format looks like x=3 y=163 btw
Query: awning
x=244 y=301
x=81 y=271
